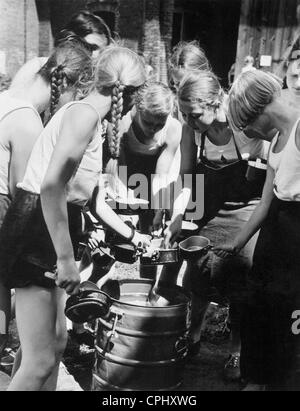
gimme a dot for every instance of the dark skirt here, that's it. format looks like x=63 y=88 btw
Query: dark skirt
x=226 y=185
x=26 y=248
x=270 y=348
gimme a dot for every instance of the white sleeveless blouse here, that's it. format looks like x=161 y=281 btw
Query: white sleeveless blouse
x=274 y=158
x=81 y=185
x=287 y=176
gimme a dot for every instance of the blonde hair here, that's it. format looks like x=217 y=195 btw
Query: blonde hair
x=201 y=86
x=69 y=61
x=117 y=70
x=251 y=92
x=155 y=98
x=27 y=73
x=189 y=56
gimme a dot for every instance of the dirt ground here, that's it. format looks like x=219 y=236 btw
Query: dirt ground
x=202 y=373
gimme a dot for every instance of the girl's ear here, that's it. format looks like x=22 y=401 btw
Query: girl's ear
x=64 y=85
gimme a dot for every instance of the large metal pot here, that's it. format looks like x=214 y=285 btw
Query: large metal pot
x=140 y=346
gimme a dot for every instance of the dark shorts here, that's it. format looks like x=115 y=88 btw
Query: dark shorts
x=270 y=347
x=4 y=205
x=26 y=248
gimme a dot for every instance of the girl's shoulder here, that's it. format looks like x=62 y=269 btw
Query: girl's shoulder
x=127 y=120
x=172 y=122
x=82 y=117
x=174 y=131
x=81 y=110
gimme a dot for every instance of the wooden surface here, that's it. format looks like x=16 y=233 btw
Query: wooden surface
x=268 y=28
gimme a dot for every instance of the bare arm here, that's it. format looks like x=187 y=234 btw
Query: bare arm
x=164 y=163
x=187 y=167
x=26 y=128
x=105 y=213
x=298 y=137
x=78 y=127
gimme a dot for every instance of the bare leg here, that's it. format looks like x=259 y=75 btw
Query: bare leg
x=36 y=313
x=235 y=311
x=199 y=304
x=61 y=335
x=61 y=339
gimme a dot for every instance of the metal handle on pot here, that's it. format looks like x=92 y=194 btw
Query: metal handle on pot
x=155 y=256
x=113 y=333
x=181 y=346
x=207 y=248
x=139 y=251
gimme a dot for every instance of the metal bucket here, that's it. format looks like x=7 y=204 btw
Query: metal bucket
x=141 y=347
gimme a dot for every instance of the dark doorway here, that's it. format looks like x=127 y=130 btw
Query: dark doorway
x=215 y=24
x=110 y=19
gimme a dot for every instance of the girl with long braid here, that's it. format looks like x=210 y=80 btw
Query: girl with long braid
x=42 y=226
x=20 y=126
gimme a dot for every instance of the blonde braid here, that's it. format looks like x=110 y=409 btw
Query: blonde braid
x=116 y=113
x=114 y=138
x=57 y=77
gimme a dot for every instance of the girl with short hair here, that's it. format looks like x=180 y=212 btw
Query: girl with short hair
x=270 y=348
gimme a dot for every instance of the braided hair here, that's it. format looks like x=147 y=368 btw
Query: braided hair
x=203 y=87
x=114 y=137
x=57 y=77
x=116 y=114
x=69 y=65
x=119 y=72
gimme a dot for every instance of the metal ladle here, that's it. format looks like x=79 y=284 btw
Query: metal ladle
x=154 y=298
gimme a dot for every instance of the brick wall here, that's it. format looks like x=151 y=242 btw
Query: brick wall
x=152 y=35
x=130 y=23
x=143 y=25
x=62 y=10
x=19 y=34
x=45 y=29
